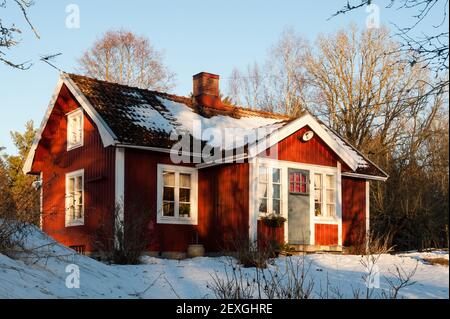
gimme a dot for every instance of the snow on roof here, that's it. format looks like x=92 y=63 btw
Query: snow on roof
x=234 y=132
x=362 y=163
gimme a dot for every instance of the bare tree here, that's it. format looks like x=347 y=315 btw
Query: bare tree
x=125 y=58
x=279 y=84
x=9 y=33
x=428 y=49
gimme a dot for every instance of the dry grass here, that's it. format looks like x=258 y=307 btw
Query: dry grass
x=436 y=261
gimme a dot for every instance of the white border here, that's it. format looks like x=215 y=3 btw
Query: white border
x=193 y=219
x=69 y=116
x=79 y=221
x=284 y=166
x=294 y=126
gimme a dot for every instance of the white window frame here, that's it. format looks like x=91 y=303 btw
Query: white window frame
x=325 y=201
x=69 y=222
x=269 y=183
x=176 y=219
x=76 y=113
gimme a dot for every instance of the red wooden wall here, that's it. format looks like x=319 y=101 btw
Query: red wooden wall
x=353 y=211
x=55 y=161
x=314 y=151
x=267 y=234
x=326 y=234
x=222 y=204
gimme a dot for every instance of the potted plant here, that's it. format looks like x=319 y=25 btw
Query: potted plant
x=195 y=250
x=273 y=220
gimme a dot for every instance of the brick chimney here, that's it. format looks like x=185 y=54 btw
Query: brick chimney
x=206 y=90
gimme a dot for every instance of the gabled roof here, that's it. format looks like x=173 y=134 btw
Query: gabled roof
x=134 y=117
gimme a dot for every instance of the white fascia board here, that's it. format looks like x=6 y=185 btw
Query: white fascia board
x=364 y=176
x=30 y=157
x=296 y=125
x=107 y=135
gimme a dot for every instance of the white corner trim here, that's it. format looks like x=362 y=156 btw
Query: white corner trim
x=120 y=177
x=107 y=135
x=285 y=131
x=339 y=201
x=41 y=201
x=367 y=208
x=253 y=201
x=193 y=219
x=119 y=190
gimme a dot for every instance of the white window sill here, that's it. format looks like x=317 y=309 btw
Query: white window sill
x=72 y=147
x=75 y=222
x=326 y=220
x=176 y=220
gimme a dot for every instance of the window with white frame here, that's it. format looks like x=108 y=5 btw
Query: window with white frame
x=269 y=190
x=177 y=194
x=75 y=198
x=75 y=129
x=325 y=195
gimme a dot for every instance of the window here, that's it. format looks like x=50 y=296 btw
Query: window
x=318 y=190
x=75 y=198
x=177 y=195
x=325 y=195
x=75 y=129
x=330 y=197
x=298 y=182
x=269 y=190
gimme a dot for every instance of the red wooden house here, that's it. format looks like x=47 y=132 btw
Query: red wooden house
x=193 y=170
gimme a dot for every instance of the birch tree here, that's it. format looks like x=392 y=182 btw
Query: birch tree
x=125 y=58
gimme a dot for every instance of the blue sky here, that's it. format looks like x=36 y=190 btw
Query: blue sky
x=195 y=36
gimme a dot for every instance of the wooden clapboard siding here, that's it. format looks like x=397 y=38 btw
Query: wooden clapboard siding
x=326 y=234
x=315 y=151
x=353 y=211
x=54 y=161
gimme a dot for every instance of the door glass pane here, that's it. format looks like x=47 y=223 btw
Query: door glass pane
x=318 y=209
x=330 y=210
x=330 y=196
x=262 y=190
x=276 y=206
x=329 y=181
x=263 y=175
x=276 y=191
x=276 y=175
x=185 y=180
x=303 y=188
x=291 y=187
x=169 y=178
x=263 y=205
x=318 y=196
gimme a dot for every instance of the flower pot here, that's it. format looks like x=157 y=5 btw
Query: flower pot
x=195 y=250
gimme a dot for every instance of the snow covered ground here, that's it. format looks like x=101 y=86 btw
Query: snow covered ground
x=34 y=277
